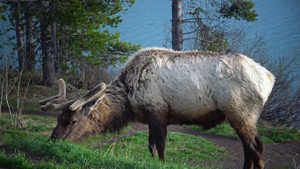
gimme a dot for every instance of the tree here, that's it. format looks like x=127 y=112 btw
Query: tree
x=204 y=19
x=48 y=56
x=30 y=38
x=19 y=33
x=70 y=34
x=16 y=17
x=177 y=36
x=84 y=39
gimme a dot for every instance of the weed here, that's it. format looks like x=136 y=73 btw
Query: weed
x=31 y=127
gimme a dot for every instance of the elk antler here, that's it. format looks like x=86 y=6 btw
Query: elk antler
x=58 y=102
x=88 y=96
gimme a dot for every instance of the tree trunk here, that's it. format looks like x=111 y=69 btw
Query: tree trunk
x=55 y=45
x=63 y=47
x=177 y=36
x=30 y=47
x=48 y=57
x=19 y=34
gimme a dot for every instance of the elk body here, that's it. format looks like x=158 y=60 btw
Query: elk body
x=160 y=87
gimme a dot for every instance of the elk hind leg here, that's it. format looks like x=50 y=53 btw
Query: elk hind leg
x=253 y=146
x=256 y=149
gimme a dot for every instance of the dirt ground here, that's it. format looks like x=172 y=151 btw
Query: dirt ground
x=276 y=156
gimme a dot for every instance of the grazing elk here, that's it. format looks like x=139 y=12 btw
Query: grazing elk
x=159 y=87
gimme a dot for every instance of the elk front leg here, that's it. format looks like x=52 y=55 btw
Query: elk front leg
x=161 y=142
x=157 y=138
x=152 y=142
x=156 y=119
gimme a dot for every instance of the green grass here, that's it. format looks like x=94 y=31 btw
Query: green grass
x=267 y=135
x=34 y=123
x=18 y=160
x=102 y=139
x=278 y=135
x=112 y=151
x=224 y=129
x=179 y=148
x=99 y=151
x=129 y=152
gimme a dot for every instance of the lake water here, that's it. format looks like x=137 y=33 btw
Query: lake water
x=278 y=23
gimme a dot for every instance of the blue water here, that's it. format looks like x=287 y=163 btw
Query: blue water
x=145 y=22
x=278 y=23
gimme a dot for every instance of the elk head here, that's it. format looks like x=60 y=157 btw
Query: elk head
x=74 y=122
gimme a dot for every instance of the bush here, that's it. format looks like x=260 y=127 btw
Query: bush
x=283 y=105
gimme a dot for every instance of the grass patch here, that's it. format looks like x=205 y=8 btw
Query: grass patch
x=267 y=134
x=35 y=121
x=224 y=129
x=278 y=135
x=129 y=152
x=33 y=128
x=101 y=140
x=180 y=148
x=18 y=160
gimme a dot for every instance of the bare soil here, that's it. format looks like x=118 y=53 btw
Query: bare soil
x=276 y=156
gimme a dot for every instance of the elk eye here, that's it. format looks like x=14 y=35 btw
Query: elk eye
x=73 y=122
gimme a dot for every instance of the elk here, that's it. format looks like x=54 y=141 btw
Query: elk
x=160 y=87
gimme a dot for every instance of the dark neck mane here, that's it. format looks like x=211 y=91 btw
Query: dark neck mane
x=120 y=109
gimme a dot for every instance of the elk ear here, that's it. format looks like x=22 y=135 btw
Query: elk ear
x=98 y=101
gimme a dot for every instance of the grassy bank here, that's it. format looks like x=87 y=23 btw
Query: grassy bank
x=30 y=148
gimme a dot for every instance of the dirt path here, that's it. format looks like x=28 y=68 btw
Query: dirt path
x=279 y=155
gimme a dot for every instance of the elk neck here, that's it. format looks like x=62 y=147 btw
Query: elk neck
x=119 y=110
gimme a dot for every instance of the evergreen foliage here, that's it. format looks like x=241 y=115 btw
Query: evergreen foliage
x=68 y=35
x=240 y=9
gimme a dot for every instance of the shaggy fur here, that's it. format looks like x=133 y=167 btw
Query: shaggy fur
x=159 y=87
